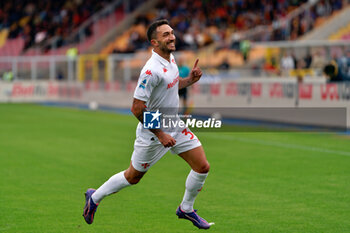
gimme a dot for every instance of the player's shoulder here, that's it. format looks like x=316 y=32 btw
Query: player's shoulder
x=151 y=68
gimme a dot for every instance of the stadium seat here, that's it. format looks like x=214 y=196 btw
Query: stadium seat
x=12 y=47
x=341 y=34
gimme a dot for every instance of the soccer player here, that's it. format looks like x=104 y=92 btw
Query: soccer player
x=158 y=88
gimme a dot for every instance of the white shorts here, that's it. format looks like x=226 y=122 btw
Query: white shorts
x=147 y=151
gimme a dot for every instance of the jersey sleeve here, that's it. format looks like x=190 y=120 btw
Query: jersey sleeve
x=148 y=80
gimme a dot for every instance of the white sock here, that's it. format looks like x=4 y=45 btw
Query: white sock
x=194 y=184
x=113 y=185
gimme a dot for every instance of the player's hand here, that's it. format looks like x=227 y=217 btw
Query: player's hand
x=196 y=72
x=166 y=139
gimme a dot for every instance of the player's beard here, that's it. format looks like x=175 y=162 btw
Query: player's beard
x=164 y=47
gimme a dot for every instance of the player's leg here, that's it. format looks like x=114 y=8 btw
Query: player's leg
x=132 y=175
x=195 y=180
x=190 y=149
x=117 y=182
x=112 y=185
x=143 y=157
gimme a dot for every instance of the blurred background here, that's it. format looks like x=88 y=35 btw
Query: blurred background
x=253 y=53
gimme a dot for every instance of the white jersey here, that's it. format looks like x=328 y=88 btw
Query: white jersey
x=158 y=86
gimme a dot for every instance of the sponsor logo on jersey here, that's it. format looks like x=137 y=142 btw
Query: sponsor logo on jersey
x=173 y=83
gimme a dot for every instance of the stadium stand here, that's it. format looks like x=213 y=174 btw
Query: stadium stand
x=198 y=23
x=220 y=26
x=42 y=22
x=341 y=34
x=204 y=29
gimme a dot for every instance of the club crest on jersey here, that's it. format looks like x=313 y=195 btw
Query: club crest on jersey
x=173 y=61
x=165 y=70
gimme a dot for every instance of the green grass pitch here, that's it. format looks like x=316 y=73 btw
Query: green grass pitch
x=259 y=182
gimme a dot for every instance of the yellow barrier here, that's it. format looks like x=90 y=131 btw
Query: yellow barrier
x=91 y=62
x=3 y=36
x=301 y=72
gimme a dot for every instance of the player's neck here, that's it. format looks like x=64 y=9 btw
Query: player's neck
x=164 y=55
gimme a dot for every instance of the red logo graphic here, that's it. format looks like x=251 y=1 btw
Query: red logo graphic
x=53 y=90
x=329 y=91
x=187 y=132
x=200 y=189
x=165 y=70
x=231 y=89
x=173 y=61
x=215 y=88
x=107 y=86
x=148 y=72
x=276 y=90
x=256 y=89
x=22 y=90
x=145 y=165
x=305 y=91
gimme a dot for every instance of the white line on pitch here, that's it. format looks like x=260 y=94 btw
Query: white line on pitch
x=280 y=144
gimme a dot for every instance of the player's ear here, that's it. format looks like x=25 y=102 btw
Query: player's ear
x=154 y=42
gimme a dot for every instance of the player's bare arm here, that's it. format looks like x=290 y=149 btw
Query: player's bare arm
x=138 y=108
x=195 y=75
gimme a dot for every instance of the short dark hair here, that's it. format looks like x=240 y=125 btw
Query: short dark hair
x=152 y=29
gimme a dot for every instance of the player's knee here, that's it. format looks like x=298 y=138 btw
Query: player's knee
x=204 y=168
x=134 y=180
x=132 y=177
